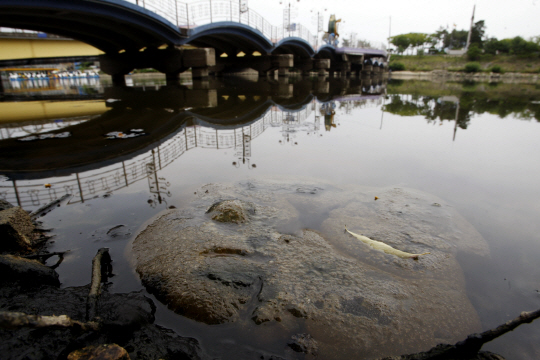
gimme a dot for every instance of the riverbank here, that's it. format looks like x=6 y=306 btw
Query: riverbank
x=504 y=63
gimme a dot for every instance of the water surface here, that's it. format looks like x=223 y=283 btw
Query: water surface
x=126 y=154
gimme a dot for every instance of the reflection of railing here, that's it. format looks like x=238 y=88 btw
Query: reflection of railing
x=10 y=131
x=203 y=12
x=85 y=186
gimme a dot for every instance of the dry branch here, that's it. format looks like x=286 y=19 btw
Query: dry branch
x=100 y=267
x=475 y=341
x=13 y=320
x=470 y=347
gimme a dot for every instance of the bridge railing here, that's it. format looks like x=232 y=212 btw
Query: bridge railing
x=189 y=16
x=202 y=12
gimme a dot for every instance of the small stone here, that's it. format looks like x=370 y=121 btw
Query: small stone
x=100 y=352
x=230 y=211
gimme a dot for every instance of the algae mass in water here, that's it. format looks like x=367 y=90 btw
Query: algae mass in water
x=348 y=299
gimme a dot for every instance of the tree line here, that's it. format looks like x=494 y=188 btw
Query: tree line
x=444 y=39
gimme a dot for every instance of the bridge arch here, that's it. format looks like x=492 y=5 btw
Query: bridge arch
x=92 y=22
x=296 y=46
x=230 y=38
x=326 y=52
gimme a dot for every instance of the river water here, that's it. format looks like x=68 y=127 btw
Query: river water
x=126 y=154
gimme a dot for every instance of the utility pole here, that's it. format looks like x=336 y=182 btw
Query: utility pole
x=289 y=19
x=470 y=31
x=389 y=31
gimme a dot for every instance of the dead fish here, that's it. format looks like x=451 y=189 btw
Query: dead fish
x=377 y=245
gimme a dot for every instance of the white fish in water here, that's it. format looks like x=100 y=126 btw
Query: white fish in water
x=377 y=245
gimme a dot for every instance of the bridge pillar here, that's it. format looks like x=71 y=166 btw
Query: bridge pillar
x=117 y=65
x=307 y=65
x=200 y=61
x=367 y=69
x=171 y=61
x=283 y=63
x=263 y=64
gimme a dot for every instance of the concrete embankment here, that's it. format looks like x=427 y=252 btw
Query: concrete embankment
x=462 y=76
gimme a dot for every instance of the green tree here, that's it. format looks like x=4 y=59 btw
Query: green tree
x=402 y=42
x=491 y=46
x=474 y=52
x=418 y=39
x=437 y=38
x=520 y=46
x=457 y=39
x=478 y=32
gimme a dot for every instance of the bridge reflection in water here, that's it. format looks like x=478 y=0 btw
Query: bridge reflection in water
x=142 y=131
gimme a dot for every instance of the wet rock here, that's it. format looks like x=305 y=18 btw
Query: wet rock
x=25 y=272
x=100 y=352
x=16 y=229
x=156 y=342
x=127 y=321
x=231 y=211
x=123 y=314
x=304 y=343
x=4 y=205
x=351 y=298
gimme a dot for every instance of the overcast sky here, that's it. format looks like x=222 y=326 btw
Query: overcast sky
x=371 y=19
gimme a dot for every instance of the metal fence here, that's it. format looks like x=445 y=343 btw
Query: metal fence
x=189 y=16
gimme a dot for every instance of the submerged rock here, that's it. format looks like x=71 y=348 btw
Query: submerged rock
x=230 y=211
x=349 y=298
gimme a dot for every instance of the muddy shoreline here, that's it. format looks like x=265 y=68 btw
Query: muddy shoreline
x=127 y=323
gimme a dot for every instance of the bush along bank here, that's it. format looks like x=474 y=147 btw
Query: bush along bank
x=486 y=63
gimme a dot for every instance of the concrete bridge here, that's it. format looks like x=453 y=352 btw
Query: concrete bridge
x=154 y=34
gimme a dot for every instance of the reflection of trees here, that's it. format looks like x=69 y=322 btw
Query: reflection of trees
x=409 y=105
x=433 y=108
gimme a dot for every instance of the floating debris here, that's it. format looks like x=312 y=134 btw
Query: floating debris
x=377 y=245
x=122 y=135
x=46 y=136
x=376 y=198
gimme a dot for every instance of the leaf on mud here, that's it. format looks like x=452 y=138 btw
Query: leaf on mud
x=378 y=245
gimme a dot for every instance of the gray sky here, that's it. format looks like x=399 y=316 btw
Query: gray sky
x=371 y=19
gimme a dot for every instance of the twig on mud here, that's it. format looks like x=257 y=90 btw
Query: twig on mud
x=44 y=257
x=471 y=346
x=13 y=320
x=475 y=341
x=101 y=267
